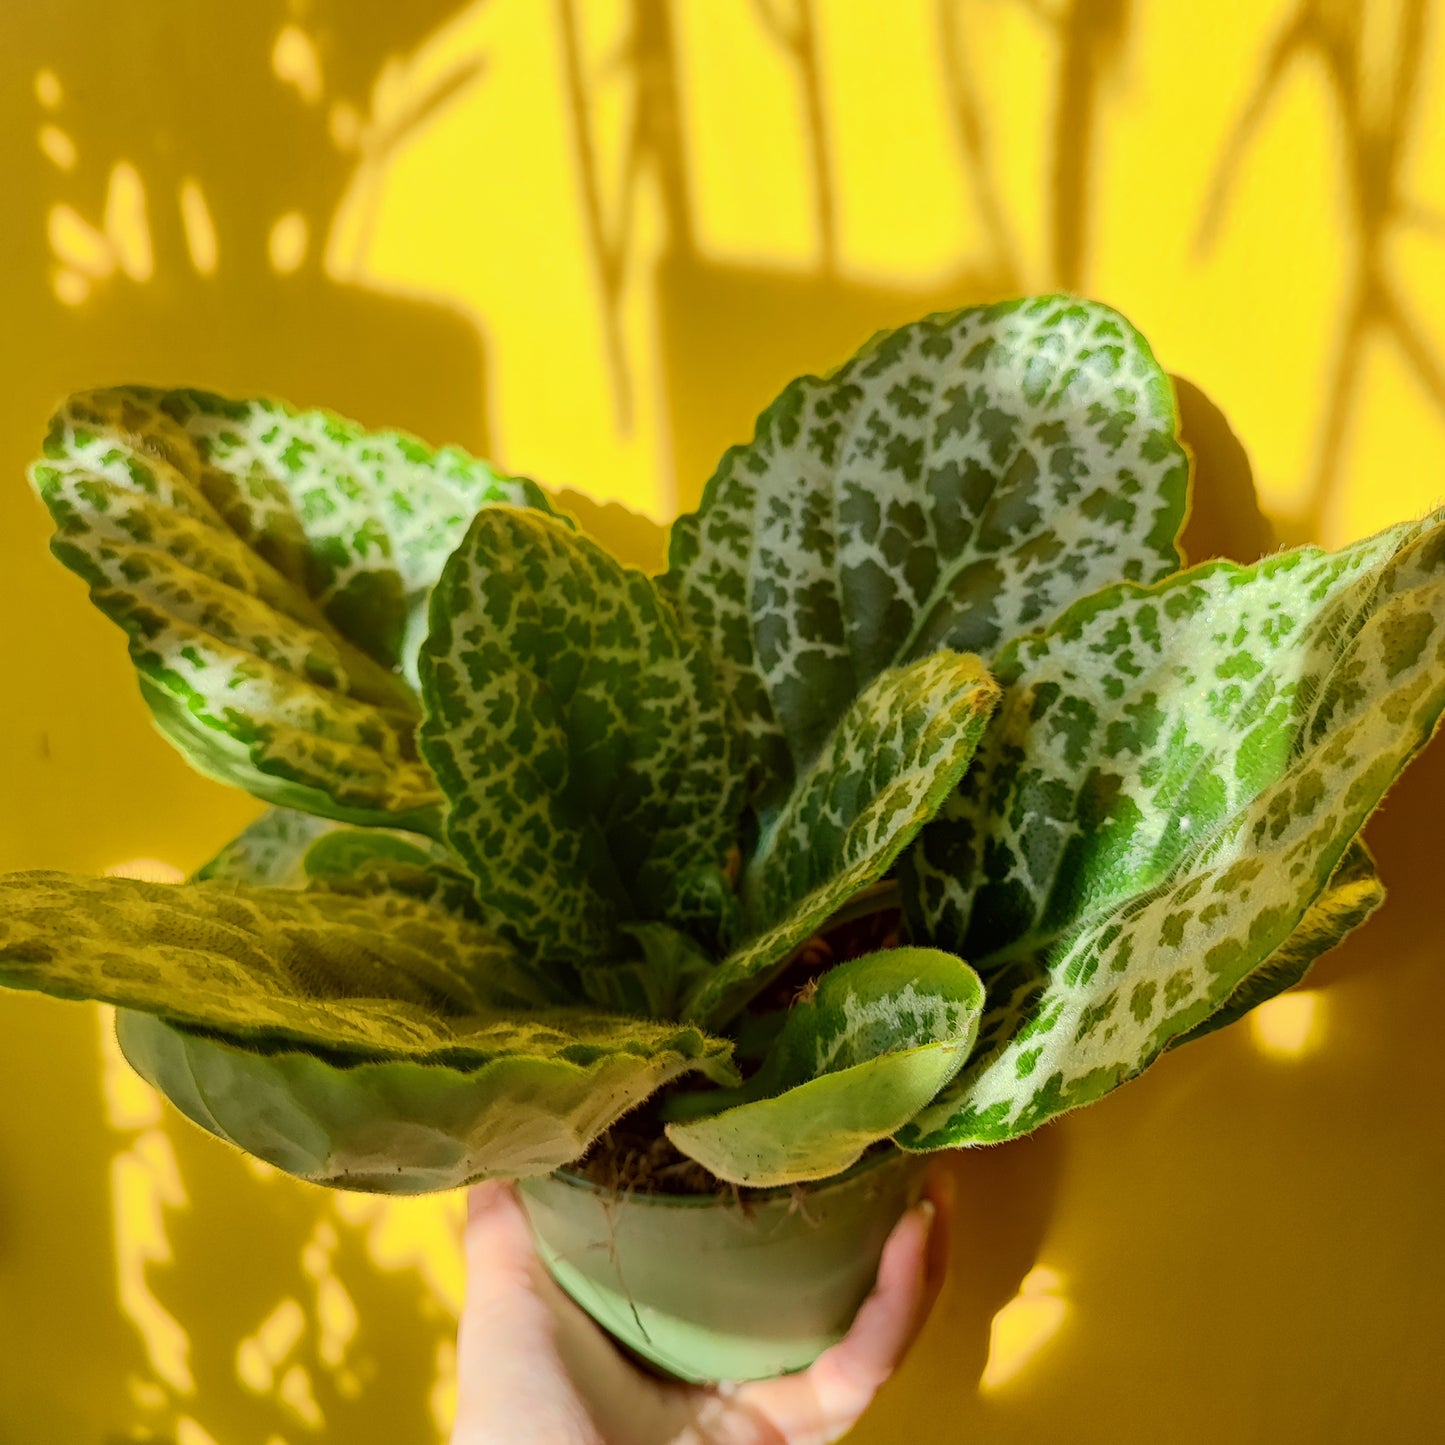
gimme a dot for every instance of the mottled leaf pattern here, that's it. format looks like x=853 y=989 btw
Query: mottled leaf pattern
x=882 y=1035
x=533 y=1104
x=588 y=759
x=1353 y=894
x=896 y=752
x=377 y=860
x=382 y=976
x=1157 y=831
x=895 y=756
x=1174 y=777
x=268 y=567
x=269 y=852
x=960 y=481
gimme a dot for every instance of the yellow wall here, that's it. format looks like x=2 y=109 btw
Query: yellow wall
x=592 y=239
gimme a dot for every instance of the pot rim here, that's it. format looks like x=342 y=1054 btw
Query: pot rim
x=863 y=1166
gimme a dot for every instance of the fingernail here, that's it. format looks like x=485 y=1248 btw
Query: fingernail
x=928 y=1210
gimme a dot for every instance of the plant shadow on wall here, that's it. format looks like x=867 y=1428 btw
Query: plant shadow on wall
x=187 y=227
x=731 y=335
x=182 y=232
x=1378 y=98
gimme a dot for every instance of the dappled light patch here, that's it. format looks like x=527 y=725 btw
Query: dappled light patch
x=1292 y=1025
x=200 y=229
x=286 y=246
x=1023 y=1327
x=145 y=870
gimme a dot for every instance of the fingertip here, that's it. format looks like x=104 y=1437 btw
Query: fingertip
x=941 y=1187
x=498 y=1235
x=887 y=1320
x=906 y=1246
x=490 y=1194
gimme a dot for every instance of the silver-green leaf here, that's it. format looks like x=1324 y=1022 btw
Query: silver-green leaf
x=588 y=758
x=269 y=568
x=959 y=481
x=1354 y=892
x=1168 y=795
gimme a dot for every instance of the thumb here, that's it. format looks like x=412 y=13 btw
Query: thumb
x=512 y=1384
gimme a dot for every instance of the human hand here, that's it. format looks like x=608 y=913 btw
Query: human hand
x=534 y=1369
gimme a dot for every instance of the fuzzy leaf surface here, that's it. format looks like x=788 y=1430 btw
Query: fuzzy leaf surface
x=882 y=1035
x=287 y=849
x=376 y=976
x=895 y=755
x=587 y=756
x=653 y=981
x=1173 y=780
x=959 y=481
x=270 y=569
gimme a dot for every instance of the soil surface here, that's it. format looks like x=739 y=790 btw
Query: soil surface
x=635 y=1156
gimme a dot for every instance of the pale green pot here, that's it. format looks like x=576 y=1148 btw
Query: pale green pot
x=707 y=1289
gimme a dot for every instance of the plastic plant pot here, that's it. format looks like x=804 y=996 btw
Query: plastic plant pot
x=709 y=1288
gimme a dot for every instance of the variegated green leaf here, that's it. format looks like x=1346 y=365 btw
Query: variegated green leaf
x=1174 y=777
x=270 y=569
x=894 y=757
x=588 y=759
x=287 y=849
x=882 y=1035
x=959 y=481
x=377 y=860
x=528 y=1102
x=897 y=751
x=1014 y=1013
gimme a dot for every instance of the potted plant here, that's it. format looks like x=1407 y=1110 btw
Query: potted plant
x=923 y=798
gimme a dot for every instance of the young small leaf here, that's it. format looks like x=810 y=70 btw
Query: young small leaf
x=894 y=757
x=1171 y=788
x=960 y=480
x=588 y=759
x=268 y=853
x=895 y=754
x=268 y=567
x=883 y=1034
